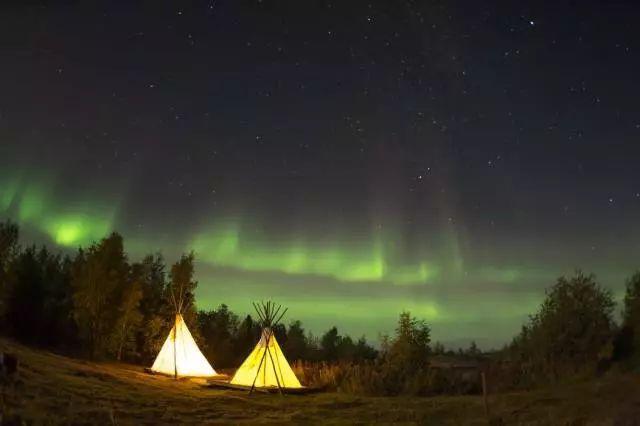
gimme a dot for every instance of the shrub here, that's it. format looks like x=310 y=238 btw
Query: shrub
x=571 y=334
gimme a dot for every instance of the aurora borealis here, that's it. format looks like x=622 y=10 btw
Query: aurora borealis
x=347 y=160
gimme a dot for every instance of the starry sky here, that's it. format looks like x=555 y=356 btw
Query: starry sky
x=347 y=159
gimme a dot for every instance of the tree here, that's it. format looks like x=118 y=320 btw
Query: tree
x=295 y=347
x=128 y=321
x=247 y=335
x=59 y=328
x=99 y=278
x=181 y=290
x=346 y=349
x=24 y=296
x=155 y=307
x=411 y=343
x=329 y=344
x=218 y=329
x=364 y=351
x=9 y=234
x=473 y=350
x=280 y=332
x=153 y=285
x=334 y=347
x=405 y=356
x=571 y=332
x=629 y=337
x=438 y=349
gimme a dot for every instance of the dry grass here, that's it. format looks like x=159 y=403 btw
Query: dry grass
x=53 y=389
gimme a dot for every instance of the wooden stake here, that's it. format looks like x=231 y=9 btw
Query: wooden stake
x=484 y=394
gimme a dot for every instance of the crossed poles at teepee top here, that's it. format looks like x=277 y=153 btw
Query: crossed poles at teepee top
x=267 y=315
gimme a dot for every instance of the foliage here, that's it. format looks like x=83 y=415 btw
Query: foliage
x=572 y=333
x=296 y=347
x=334 y=347
x=181 y=291
x=100 y=304
x=218 y=328
x=247 y=334
x=99 y=279
x=129 y=319
x=155 y=308
x=410 y=348
x=628 y=339
x=24 y=295
x=9 y=233
x=8 y=250
x=402 y=368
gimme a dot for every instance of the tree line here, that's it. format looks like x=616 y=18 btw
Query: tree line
x=574 y=333
x=99 y=304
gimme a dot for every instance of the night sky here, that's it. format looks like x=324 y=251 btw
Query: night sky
x=347 y=159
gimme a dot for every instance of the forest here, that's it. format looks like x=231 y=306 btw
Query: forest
x=99 y=305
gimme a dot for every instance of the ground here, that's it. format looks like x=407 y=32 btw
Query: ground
x=56 y=389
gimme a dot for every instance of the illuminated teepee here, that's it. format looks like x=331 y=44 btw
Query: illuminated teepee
x=266 y=366
x=180 y=355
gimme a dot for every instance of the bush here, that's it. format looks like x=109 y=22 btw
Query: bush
x=379 y=378
x=400 y=369
x=572 y=333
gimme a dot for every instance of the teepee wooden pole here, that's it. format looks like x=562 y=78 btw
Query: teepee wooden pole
x=253 y=385
x=273 y=364
x=264 y=369
x=258 y=311
x=175 y=355
x=173 y=297
x=280 y=317
x=275 y=314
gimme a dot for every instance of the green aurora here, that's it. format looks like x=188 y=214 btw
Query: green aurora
x=358 y=282
x=76 y=222
x=363 y=261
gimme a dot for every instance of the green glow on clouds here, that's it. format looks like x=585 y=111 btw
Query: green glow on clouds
x=37 y=205
x=500 y=275
x=74 y=230
x=351 y=261
x=359 y=282
x=8 y=190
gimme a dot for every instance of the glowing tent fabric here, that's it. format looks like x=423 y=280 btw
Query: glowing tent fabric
x=180 y=355
x=266 y=365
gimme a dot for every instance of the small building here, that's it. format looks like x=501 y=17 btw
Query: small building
x=466 y=369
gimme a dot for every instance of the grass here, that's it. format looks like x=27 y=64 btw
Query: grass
x=55 y=389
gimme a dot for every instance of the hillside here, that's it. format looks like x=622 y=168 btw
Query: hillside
x=56 y=389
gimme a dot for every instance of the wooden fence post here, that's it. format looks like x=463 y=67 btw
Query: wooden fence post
x=484 y=394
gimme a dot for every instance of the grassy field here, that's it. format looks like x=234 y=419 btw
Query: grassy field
x=56 y=389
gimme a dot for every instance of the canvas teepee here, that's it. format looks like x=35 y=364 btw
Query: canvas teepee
x=180 y=355
x=266 y=366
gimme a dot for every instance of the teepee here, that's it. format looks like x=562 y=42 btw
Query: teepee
x=180 y=355
x=266 y=366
